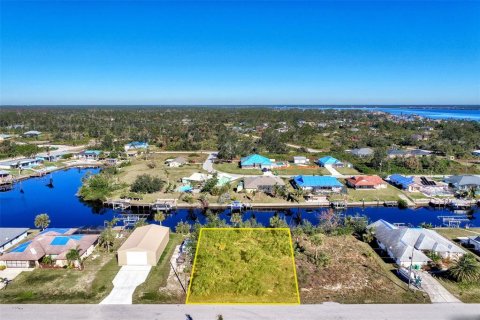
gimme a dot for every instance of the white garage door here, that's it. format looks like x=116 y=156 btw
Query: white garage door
x=137 y=258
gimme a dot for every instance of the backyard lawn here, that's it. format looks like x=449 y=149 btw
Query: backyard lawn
x=298 y=170
x=235 y=169
x=348 y=171
x=244 y=266
x=90 y=285
x=150 y=291
x=388 y=194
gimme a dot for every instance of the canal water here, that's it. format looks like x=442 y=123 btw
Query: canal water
x=19 y=206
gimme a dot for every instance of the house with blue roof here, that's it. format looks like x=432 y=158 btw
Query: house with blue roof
x=136 y=145
x=331 y=161
x=256 y=161
x=89 y=155
x=317 y=184
x=403 y=182
x=52 y=242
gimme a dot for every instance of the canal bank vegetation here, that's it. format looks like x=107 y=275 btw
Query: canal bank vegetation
x=98 y=187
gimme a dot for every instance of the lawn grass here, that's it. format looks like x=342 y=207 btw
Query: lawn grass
x=348 y=171
x=390 y=193
x=90 y=285
x=235 y=169
x=243 y=266
x=148 y=292
x=299 y=170
x=354 y=274
x=466 y=292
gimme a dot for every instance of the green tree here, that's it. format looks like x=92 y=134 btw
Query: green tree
x=277 y=222
x=236 y=219
x=42 y=221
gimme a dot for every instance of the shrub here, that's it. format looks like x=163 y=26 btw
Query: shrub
x=402 y=204
x=3 y=267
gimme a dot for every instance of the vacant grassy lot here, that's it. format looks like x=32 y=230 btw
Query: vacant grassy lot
x=235 y=169
x=149 y=291
x=243 y=266
x=347 y=171
x=297 y=170
x=388 y=194
x=90 y=285
x=354 y=273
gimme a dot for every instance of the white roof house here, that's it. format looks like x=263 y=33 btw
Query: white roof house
x=402 y=243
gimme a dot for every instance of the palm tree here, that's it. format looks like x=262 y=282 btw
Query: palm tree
x=73 y=255
x=42 y=221
x=159 y=217
x=466 y=269
x=107 y=237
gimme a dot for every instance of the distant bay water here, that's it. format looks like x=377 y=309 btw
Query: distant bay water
x=444 y=113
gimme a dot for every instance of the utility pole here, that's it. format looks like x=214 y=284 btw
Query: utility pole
x=410 y=268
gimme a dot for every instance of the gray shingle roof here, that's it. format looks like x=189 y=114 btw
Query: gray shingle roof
x=402 y=241
x=7 y=234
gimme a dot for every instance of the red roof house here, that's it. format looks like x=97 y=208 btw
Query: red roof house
x=366 y=182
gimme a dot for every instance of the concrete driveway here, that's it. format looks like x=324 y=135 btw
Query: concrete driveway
x=125 y=283
x=436 y=292
x=11 y=273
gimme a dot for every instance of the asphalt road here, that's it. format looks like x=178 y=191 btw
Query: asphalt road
x=331 y=311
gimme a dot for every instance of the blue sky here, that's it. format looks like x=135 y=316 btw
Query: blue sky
x=380 y=52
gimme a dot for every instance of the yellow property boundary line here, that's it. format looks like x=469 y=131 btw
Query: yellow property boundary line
x=245 y=303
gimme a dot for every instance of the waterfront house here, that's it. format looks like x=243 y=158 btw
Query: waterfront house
x=89 y=155
x=52 y=242
x=464 y=182
x=409 y=245
x=331 y=161
x=301 y=160
x=366 y=182
x=5 y=177
x=52 y=156
x=144 y=246
x=196 y=178
x=177 y=162
x=255 y=161
x=111 y=161
x=10 y=237
x=136 y=145
x=362 y=152
x=403 y=182
x=317 y=184
x=25 y=163
x=476 y=153
x=32 y=134
x=262 y=183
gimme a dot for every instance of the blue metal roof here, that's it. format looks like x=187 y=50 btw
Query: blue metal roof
x=317 y=181
x=255 y=159
x=21 y=247
x=328 y=160
x=95 y=152
x=401 y=180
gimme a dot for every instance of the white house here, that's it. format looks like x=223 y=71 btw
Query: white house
x=177 y=162
x=301 y=160
x=408 y=245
